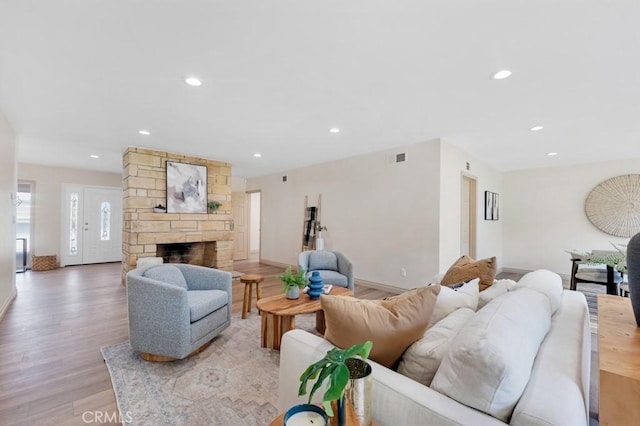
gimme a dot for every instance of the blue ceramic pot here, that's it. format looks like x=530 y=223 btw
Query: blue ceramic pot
x=315 y=286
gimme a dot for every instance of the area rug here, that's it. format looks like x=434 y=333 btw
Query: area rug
x=591 y=292
x=233 y=382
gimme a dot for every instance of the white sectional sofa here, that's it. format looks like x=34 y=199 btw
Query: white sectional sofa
x=556 y=392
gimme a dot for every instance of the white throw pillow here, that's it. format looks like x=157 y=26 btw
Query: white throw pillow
x=489 y=362
x=507 y=282
x=546 y=282
x=498 y=288
x=450 y=300
x=422 y=359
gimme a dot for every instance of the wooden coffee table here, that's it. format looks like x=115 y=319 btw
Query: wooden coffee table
x=279 y=315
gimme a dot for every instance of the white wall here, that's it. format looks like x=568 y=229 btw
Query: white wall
x=47 y=199
x=238 y=184
x=383 y=216
x=488 y=233
x=544 y=214
x=7 y=215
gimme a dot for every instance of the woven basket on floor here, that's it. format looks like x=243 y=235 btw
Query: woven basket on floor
x=43 y=263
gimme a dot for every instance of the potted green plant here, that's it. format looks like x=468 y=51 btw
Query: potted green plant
x=292 y=283
x=212 y=206
x=337 y=366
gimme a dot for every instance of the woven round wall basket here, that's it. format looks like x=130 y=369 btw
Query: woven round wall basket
x=613 y=206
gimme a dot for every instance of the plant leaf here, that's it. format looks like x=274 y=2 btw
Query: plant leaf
x=327 y=408
x=326 y=372
x=338 y=382
x=363 y=350
x=309 y=374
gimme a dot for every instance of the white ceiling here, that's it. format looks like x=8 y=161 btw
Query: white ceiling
x=81 y=77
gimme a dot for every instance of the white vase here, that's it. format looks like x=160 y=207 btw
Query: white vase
x=293 y=292
x=319 y=242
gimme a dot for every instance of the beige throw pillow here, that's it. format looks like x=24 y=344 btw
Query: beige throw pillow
x=391 y=324
x=465 y=269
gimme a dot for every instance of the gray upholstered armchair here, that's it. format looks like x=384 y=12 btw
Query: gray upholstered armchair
x=333 y=266
x=175 y=310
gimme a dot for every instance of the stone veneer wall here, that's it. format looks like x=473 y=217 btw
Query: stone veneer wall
x=145 y=186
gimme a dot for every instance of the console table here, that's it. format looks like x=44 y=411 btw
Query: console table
x=619 y=352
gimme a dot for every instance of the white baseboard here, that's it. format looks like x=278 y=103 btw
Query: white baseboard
x=515 y=271
x=378 y=286
x=565 y=277
x=7 y=303
x=364 y=283
x=276 y=264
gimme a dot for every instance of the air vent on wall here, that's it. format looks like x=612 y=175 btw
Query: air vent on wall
x=396 y=159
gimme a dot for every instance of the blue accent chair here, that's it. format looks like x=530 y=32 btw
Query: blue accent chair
x=333 y=266
x=175 y=310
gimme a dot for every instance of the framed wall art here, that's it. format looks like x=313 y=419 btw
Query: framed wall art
x=491 y=205
x=186 y=188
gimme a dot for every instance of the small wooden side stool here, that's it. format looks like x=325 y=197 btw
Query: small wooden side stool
x=249 y=280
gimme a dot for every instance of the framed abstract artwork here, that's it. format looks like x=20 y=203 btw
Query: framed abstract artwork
x=491 y=205
x=186 y=188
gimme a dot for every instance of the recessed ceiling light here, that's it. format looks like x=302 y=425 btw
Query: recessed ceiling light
x=192 y=81
x=551 y=154
x=502 y=74
x=257 y=155
x=94 y=156
x=144 y=132
x=536 y=128
x=334 y=130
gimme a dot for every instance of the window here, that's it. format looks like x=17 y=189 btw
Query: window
x=73 y=225
x=105 y=221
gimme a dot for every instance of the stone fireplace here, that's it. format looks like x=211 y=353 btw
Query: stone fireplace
x=197 y=238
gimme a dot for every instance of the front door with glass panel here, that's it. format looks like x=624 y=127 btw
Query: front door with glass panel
x=92 y=228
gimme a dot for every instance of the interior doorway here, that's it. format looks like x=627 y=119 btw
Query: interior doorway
x=240 y=210
x=24 y=224
x=92 y=225
x=246 y=225
x=468 y=216
x=255 y=206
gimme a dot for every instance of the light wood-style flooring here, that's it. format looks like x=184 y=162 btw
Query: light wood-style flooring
x=51 y=368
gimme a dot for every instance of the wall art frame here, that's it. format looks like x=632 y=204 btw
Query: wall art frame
x=491 y=205
x=186 y=188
